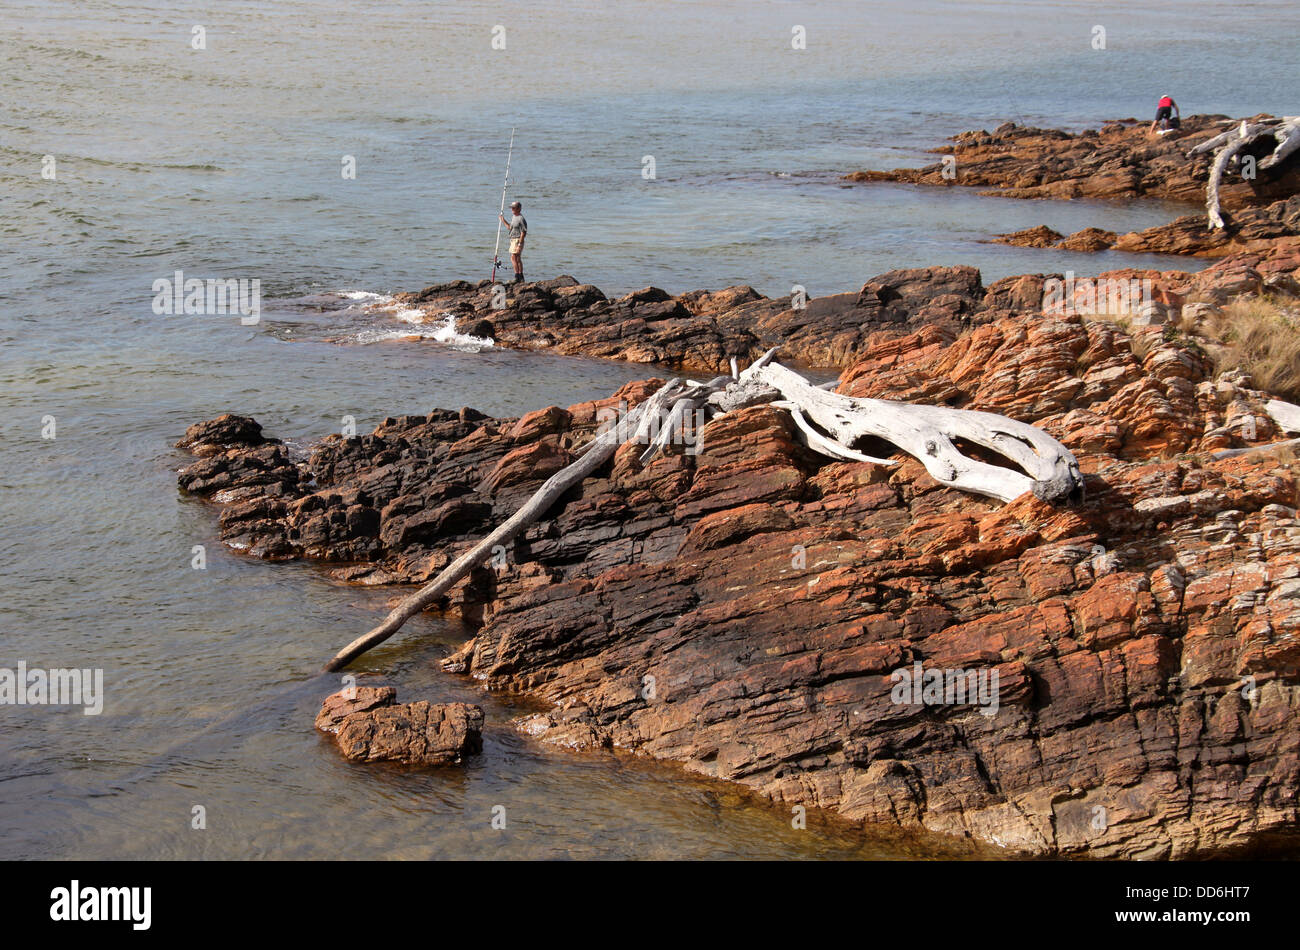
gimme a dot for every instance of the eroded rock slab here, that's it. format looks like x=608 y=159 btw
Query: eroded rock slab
x=338 y=706
x=371 y=727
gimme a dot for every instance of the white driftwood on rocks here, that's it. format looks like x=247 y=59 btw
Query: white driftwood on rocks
x=824 y=445
x=926 y=432
x=1285 y=414
x=1288 y=143
x=1284 y=132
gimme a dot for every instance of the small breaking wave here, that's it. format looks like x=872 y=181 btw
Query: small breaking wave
x=443 y=330
x=363 y=316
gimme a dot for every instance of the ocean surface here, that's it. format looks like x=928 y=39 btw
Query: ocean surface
x=227 y=162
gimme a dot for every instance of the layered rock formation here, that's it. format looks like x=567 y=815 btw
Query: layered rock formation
x=1121 y=160
x=740 y=604
x=1273 y=229
x=702 y=330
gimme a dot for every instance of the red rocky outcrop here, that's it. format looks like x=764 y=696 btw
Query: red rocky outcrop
x=740 y=608
x=1121 y=160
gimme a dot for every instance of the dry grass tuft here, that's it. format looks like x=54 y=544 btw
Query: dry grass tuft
x=1259 y=337
x=1256 y=335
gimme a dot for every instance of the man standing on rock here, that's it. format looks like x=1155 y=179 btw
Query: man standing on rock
x=518 y=231
x=1165 y=109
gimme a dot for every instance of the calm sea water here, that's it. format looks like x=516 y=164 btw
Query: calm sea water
x=226 y=162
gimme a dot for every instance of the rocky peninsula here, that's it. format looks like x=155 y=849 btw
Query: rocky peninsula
x=757 y=612
x=1124 y=160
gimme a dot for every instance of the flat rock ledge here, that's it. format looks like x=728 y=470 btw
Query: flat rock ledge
x=702 y=331
x=370 y=726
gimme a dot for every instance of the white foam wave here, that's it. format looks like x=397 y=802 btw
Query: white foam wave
x=409 y=315
x=443 y=330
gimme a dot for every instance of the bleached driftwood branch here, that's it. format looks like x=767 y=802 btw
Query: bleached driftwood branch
x=1288 y=143
x=927 y=432
x=1285 y=133
x=603 y=446
x=1285 y=414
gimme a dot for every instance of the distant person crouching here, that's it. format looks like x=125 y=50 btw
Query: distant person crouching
x=1168 y=114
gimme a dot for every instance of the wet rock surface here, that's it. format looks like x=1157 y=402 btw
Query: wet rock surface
x=740 y=605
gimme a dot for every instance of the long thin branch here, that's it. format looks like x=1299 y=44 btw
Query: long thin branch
x=552 y=489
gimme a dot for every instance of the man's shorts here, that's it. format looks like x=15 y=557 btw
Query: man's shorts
x=1164 y=112
x=516 y=245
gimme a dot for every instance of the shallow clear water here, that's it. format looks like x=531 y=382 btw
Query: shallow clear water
x=226 y=163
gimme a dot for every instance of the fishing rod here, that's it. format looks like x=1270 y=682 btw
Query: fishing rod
x=496 y=252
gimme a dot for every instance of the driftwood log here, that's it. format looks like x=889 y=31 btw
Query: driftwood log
x=597 y=454
x=831 y=423
x=927 y=433
x=1284 y=134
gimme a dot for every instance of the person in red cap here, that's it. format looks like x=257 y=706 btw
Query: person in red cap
x=1165 y=109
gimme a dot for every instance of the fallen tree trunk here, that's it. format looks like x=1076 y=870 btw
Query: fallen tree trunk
x=554 y=487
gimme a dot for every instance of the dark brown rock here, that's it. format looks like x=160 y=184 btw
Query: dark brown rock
x=1041 y=236
x=702 y=330
x=225 y=431
x=1089 y=239
x=1122 y=160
